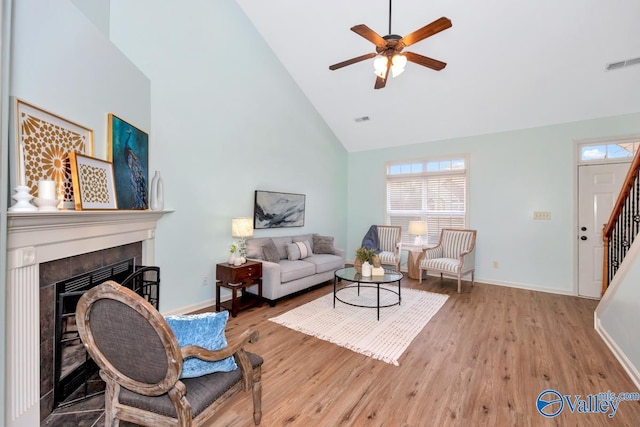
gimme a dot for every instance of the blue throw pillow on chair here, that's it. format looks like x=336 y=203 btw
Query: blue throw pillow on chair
x=205 y=330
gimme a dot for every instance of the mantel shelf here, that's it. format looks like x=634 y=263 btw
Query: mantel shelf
x=18 y=221
x=53 y=235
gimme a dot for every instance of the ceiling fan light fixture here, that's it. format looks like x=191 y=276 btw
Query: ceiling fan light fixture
x=398 y=62
x=380 y=65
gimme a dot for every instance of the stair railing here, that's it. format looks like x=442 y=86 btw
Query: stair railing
x=623 y=225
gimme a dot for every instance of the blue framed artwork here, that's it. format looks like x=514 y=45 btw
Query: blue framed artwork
x=276 y=210
x=129 y=153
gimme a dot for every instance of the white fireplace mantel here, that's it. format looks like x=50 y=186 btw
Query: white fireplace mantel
x=37 y=237
x=46 y=236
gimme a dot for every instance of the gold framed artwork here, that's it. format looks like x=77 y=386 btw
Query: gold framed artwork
x=43 y=143
x=93 y=183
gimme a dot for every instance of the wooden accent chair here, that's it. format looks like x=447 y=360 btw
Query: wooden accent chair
x=454 y=254
x=140 y=361
x=390 y=237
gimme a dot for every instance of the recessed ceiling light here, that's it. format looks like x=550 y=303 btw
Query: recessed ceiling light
x=362 y=119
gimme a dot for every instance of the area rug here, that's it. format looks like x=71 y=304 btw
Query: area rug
x=357 y=329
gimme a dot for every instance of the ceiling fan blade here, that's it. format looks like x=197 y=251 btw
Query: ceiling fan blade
x=369 y=34
x=426 y=31
x=382 y=81
x=425 y=61
x=352 y=61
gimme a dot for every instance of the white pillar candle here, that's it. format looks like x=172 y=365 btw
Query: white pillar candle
x=23 y=174
x=47 y=190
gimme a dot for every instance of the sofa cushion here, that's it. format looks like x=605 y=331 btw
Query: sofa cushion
x=292 y=270
x=204 y=330
x=325 y=262
x=323 y=244
x=281 y=244
x=298 y=250
x=270 y=252
x=254 y=247
x=302 y=238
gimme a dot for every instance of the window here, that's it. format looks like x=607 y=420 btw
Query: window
x=433 y=190
x=608 y=150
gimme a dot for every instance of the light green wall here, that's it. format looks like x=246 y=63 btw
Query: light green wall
x=511 y=175
x=227 y=120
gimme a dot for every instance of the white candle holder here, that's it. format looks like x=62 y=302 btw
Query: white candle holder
x=46 y=205
x=23 y=200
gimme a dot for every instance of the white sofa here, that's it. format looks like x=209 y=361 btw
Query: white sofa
x=285 y=277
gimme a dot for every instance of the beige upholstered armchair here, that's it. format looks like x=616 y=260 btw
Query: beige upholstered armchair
x=141 y=362
x=454 y=255
x=390 y=237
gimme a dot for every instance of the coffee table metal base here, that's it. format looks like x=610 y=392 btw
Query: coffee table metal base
x=366 y=282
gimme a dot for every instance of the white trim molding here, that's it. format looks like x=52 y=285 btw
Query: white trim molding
x=37 y=237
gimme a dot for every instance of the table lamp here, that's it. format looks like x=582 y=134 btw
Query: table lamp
x=418 y=229
x=242 y=228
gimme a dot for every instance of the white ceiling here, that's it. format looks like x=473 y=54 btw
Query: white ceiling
x=511 y=64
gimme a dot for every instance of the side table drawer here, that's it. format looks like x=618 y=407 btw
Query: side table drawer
x=249 y=272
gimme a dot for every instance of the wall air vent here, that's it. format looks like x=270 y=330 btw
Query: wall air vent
x=362 y=119
x=622 y=64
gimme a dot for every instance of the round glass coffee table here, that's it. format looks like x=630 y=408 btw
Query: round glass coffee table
x=349 y=274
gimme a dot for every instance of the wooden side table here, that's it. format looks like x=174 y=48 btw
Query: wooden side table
x=238 y=277
x=413 y=269
x=414 y=252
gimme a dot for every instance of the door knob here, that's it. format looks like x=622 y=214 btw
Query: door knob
x=583 y=237
x=583 y=228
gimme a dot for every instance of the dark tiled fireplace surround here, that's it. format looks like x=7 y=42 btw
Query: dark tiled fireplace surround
x=50 y=273
x=42 y=249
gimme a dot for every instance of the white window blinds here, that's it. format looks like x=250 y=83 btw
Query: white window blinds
x=431 y=191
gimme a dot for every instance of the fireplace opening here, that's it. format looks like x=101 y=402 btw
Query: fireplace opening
x=73 y=368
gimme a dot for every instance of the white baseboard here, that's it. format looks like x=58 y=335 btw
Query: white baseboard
x=192 y=308
x=619 y=354
x=512 y=285
x=527 y=287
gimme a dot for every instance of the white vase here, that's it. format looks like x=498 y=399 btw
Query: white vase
x=232 y=258
x=156 y=197
x=366 y=269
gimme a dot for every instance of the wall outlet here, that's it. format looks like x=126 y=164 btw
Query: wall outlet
x=496 y=264
x=205 y=281
x=540 y=215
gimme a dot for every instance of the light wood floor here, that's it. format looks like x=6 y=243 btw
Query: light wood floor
x=481 y=361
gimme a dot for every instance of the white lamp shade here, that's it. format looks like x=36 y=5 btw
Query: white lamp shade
x=380 y=66
x=241 y=227
x=398 y=62
x=417 y=228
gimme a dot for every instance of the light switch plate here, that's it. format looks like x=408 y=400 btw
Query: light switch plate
x=542 y=215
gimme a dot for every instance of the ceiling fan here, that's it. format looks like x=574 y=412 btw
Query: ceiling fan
x=389 y=48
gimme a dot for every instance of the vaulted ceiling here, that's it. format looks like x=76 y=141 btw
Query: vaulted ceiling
x=511 y=64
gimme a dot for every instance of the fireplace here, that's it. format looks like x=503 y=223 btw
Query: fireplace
x=41 y=247
x=72 y=368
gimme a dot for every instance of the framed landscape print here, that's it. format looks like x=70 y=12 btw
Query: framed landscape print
x=276 y=210
x=129 y=153
x=93 y=184
x=43 y=144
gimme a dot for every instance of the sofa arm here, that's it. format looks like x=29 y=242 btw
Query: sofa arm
x=339 y=252
x=270 y=278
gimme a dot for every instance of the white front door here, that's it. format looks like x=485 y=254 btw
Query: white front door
x=598 y=188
